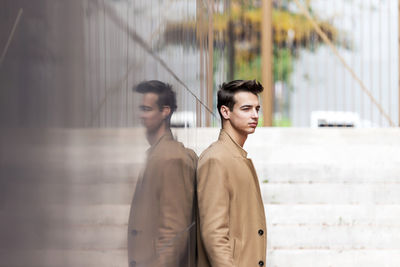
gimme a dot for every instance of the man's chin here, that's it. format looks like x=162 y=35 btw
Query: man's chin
x=251 y=130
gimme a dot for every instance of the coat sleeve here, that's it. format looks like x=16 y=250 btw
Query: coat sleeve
x=213 y=202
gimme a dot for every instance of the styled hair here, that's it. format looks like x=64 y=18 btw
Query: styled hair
x=228 y=90
x=166 y=96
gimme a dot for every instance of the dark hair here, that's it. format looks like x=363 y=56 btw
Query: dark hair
x=166 y=97
x=228 y=90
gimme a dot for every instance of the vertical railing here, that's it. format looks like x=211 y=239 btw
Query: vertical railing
x=210 y=65
x=114 y=23
x=267 y=62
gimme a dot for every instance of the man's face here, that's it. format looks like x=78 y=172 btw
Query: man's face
x=151 y=116
x=244 y=116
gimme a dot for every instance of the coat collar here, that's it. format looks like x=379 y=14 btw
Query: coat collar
x=234 y=147
x=165 y=137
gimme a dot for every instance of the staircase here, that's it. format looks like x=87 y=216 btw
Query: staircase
x=332 y=196
x=66 y=195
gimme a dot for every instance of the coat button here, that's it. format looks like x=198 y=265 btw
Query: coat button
x=261 y=263
x=132 y=264
x=260 y=232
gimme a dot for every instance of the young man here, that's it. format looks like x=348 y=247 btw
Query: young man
x=161 y=228
x=231 y=211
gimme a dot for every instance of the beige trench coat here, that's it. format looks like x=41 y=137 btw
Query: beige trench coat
x=161 y=227
x=231 y=211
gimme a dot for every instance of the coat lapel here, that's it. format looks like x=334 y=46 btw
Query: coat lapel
x=238 y=152
x=235 y=149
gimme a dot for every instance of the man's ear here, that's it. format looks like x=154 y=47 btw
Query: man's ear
x=166 y=111
x=225 y=112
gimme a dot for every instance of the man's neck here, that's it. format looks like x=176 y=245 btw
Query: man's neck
x=238 y=137
x=153 y=137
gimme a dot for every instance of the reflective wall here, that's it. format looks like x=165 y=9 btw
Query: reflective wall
x=74 y=64
x=72 y=145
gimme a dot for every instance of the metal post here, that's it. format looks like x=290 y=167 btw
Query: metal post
x=210 y=76
x=267 y=61
x=200 y=38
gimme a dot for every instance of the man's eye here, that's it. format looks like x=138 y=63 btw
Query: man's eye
x=145 y=109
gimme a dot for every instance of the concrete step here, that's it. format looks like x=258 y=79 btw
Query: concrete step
x=70 y=214
x=279 y=214
x=288 y=137
x=65 y=237
x=68 y=173
x=324 y=153
x=328 y=172
x=338 y=231
x=64 y=258
x=280 y=143
x=69 y=194
x=273 y=193
x=275 y=258
x=285 y=236
x=78 y=237
x=331 y=194
x=335 y=237
x=333 y=215
x=315 y=155
x=88 y=237
x=333 y=258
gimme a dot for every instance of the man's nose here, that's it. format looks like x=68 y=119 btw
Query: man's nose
x=255 y=114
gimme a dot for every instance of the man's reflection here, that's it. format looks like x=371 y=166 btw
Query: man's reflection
x=161 y=230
